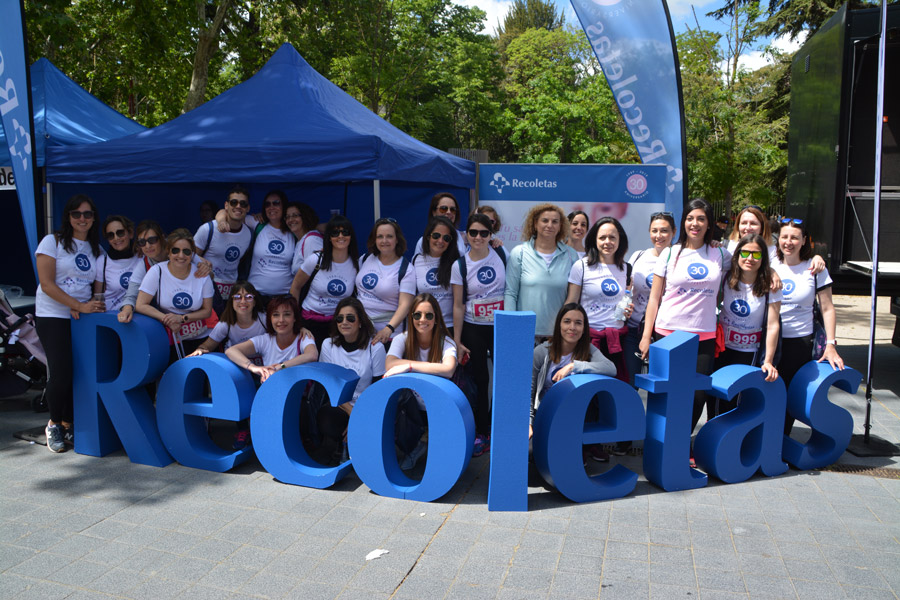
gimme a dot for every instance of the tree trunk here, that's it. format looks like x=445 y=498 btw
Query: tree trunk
x=206 y=45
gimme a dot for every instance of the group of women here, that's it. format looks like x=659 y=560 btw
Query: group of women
x=306 y=294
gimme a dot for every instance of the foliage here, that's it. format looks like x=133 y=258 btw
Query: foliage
x=790 y=17
x=527 y=14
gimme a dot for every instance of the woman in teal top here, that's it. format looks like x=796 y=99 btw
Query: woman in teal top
x=538 y=269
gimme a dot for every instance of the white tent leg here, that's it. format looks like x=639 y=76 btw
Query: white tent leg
x=376 y=193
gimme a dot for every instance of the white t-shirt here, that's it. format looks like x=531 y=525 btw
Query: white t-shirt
x=75 y=275
x=798 y=294
x=642 y=263
x=179 y=296
x=773 y=255
x=328 y=287
x=233 y=335
x=426 y=268
x=266 y=346
x=225 y=250
x=117 y=275
x=398 y=349
x=311 y=242
x=602 y=286
x=692 y=288
x=460 y=244
x=378 y=288
x=366 y=362
x=273 y=255
x=742 y=317
x=486 y=284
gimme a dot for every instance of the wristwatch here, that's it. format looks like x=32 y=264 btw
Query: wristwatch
x=832 y=342
x=184 y=318
x=283 y=366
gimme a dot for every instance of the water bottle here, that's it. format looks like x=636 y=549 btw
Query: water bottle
x=621 y=306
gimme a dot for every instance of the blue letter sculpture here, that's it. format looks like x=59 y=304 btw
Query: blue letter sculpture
x=733 y=446
x=513 y=357
x=560 y=432
x=110 y=397
x=832 y=426
x=670 y=384
x=275 y=423
x=181 y=405
x=451 y=435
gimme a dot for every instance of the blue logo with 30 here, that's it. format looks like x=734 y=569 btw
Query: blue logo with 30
x=233 y=253
x=740 y=307
x=124 y=278
x=697 y=271
x=276 y=247
x=649 y=280
x=431 y=277
x=369 y=281
x=609 y=287
x=336 y=287
x=788 y=286
x=82 y=262
x=486 y=275
x=182 y=300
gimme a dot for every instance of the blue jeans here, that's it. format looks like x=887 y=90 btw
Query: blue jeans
x=630 y=346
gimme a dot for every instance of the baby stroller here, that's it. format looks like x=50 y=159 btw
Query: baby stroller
x=22 y=358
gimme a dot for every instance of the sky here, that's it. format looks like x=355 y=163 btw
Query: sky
x=682 y=17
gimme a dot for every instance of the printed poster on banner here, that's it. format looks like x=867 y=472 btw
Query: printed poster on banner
x=630 y=193
x=7 y=179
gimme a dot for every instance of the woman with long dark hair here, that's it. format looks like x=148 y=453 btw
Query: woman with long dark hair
x=120 y=260
x=434 y=264
x=67 y=266
x=350 y=347
x=273 y=249
x=686 y=282
x=444 y=204
x=330 y=275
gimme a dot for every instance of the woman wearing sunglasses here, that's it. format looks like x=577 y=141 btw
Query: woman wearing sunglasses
x=537 y=270
x=150 y=248
x=425 y=347
x=751 y=220
x=350 y=347
x=444 y=204
x=241 y=320
x=385 y=284
x=67 y=266
x=801 y=290
x=120 y=260
x=750 y=311
x=479 y=282
x=433 y=265
x=272 y=249
x=662 y=231
x=182 y=301
x=327 y=277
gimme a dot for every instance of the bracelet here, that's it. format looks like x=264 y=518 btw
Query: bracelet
x=249 y=364
x=391 y=327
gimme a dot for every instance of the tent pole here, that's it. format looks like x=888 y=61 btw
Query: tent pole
x=48 y=208
x=376 y=192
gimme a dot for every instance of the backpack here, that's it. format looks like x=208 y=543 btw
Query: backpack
x=404 y=266
x=247 y=259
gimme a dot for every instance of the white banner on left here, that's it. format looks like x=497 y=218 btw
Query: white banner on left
x=7 y=179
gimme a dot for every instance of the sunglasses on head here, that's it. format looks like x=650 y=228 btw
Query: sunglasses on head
x=436 y=236
x=118 y=233
x=242 y=203
x=340 y=318
x=238 y=297
x=479 y=232
x=418 y=316
x=754 y=254
x=273 y=202
x=752 y=206
x=176 y=251
x=82 y=214
x=385 y=221
x=339 y=232
x=661 y=215
x=153 y=239
x=446 y=209
x=787 y=221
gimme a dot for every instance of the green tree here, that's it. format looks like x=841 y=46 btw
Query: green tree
x=528 y=14
x=790 y=17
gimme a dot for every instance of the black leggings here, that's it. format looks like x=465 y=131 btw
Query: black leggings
x=56 y=338
x=795 y=352
x=332 y=422
x=706 y=358
x=730 y=357
x=479 y=339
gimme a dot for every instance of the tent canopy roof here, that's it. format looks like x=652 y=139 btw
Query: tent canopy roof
x=287 y=123
x=67 y=115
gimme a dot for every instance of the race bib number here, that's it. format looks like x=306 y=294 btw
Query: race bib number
x=743 y=339
x=483 y=310
x=224 y=289
x=191 y=330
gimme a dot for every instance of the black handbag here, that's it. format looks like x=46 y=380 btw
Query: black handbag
x=819 y=335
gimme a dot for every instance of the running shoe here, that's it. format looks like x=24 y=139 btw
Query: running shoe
x=55 y=441
x=241 y=439
x=413 y=457
x=482 y=445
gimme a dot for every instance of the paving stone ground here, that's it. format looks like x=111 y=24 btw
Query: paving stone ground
x=74 y=526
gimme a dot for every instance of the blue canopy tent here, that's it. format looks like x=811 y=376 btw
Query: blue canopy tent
x=286 y=127
x=64 y=115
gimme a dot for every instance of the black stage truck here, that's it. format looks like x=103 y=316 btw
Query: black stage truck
x=831 y=150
